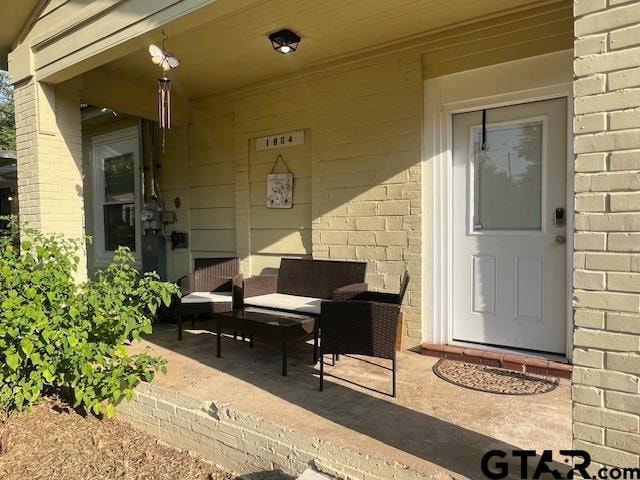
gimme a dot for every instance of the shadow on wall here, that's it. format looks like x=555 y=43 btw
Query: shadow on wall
x=424 y=436
x=272 y=475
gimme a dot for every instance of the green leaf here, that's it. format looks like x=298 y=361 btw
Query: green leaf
x=26 y=245
x=110 y=410
x=19 y=400
x=166 y=298
x=48 y=376
x=13 y=360
x=86 y=369
x=27 y=346
x=36 y=358
x=79 y=396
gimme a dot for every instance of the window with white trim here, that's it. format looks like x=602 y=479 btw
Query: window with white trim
x=116 y=193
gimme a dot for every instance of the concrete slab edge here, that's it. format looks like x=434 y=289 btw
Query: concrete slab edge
x=244 y=443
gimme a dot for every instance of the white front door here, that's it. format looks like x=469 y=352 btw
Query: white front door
x=509 y=210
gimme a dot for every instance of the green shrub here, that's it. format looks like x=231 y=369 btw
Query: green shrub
x=57 y=334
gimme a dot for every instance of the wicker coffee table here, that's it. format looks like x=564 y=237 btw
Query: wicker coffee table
x=252 y=320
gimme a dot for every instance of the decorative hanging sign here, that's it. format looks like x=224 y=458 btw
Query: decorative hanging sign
x=280 y=187
x=280 y=140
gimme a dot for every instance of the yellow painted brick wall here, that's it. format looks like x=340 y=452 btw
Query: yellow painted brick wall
x=607 y=245
x=363 y=121
x=49 y=149
x=358 y=176
x=360 y=191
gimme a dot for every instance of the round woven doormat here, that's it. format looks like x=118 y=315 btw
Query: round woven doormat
x=493 y=380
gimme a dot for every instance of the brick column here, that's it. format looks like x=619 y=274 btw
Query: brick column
x=606 y=400
x=49 y=148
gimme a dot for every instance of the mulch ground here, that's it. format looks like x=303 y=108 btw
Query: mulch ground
x=53 y=442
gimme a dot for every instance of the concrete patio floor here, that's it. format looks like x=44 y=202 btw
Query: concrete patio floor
x=431 y=425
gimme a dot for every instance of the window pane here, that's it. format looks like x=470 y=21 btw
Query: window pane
x=508 y=177
x=119 y=179
x=119 y=226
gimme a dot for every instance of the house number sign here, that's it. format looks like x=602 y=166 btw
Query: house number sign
x=280 y=140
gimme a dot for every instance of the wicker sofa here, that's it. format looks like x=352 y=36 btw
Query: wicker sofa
x=303 y=284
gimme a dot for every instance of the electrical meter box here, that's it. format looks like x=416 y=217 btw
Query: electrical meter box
x=154 y=255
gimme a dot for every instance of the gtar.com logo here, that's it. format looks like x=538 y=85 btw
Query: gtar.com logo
x=531 y=465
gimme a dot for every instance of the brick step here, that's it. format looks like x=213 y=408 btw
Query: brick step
x=518 y=363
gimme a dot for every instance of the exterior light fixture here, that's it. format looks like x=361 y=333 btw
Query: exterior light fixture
x=108 y=110
x=284 y=41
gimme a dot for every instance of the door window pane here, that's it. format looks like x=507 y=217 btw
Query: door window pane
x=119 y=226
x=508 y=177
x=119 y=178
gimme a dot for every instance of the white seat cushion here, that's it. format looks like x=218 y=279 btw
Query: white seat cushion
x=291 y=303
x=207 y=297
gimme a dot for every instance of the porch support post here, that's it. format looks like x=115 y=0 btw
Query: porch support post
x=606 y=406
x=49 y=149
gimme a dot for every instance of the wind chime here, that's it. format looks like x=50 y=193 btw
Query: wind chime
x=166 y=62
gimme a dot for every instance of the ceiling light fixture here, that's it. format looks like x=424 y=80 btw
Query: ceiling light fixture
x=284 y=41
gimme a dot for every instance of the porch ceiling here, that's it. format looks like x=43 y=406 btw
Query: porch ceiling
x=234 y=51
x=14 y=19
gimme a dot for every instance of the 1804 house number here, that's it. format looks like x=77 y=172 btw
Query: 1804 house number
x=280 y=140
x=275 y=141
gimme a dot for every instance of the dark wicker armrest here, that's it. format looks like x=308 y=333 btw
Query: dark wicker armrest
x=259 y=285
x=380 y=297
x=359 y=327
x=187 y=284
x=349 y=292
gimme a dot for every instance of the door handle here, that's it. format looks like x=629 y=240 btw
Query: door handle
x=560 y=239
x=559 y=217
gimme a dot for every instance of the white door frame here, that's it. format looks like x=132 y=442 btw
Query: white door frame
x=450 y=94
x=102 y=258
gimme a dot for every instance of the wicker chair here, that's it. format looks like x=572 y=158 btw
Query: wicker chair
x=365 y=325
x=209 y=289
